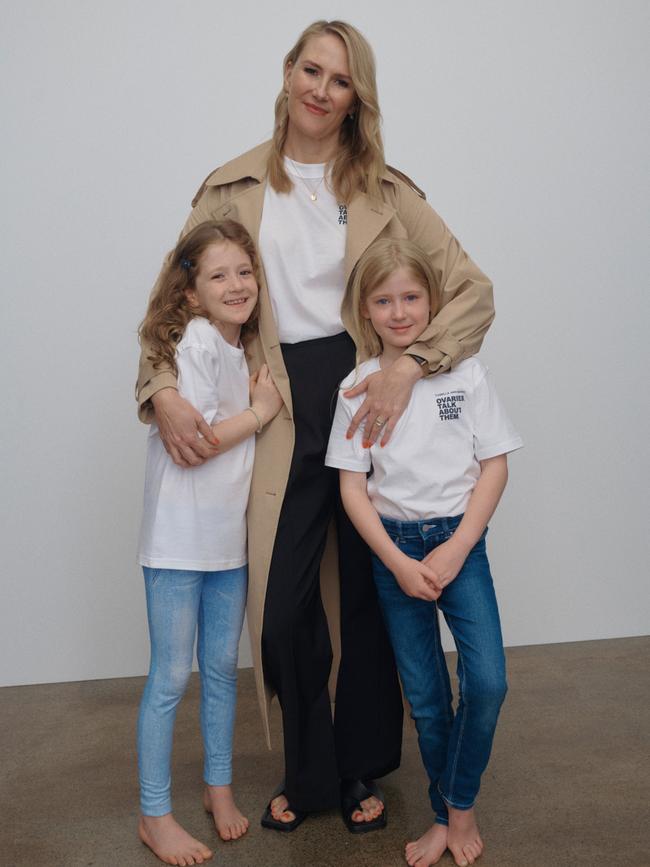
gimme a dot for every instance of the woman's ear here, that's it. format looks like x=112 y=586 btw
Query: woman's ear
x=363 y=310
x=288 y=69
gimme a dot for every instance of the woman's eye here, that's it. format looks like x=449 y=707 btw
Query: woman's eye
x=217 y=276
x=246 y=272
x=343 y=83
x=310 y=70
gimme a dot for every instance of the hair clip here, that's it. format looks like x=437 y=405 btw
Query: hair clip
x=186 y=264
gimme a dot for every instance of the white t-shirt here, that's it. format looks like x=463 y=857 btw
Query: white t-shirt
x=195 y=518
x=431 y=463
x=302 y=246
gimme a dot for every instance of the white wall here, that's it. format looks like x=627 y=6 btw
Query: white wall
x=526 y=123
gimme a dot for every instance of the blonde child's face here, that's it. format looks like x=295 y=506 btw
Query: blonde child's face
x=225 y=288
x=399 y=310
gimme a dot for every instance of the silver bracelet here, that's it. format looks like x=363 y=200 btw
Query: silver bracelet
x=259 y=422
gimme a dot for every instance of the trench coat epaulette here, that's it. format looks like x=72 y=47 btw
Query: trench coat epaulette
x=201 y=189
x=406 y=180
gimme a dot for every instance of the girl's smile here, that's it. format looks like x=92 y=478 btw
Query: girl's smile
x=225 y=288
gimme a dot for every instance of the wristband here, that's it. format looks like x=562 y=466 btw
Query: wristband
x=259 y=422
x=424 y=364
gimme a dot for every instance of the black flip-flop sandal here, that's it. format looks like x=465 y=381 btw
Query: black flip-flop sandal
x=352 y=793
x=269 y=820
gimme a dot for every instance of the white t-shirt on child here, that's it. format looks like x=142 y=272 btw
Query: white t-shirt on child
x=431 y=463
x=195 y=518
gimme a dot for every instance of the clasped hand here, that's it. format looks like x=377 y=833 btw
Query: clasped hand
x=426 y=579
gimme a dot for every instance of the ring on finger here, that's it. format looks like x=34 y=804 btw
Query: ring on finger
x=380 y=422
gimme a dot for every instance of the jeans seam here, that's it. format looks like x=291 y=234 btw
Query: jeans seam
x=461 y=731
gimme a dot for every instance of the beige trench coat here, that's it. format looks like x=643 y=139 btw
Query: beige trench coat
x=236 y=191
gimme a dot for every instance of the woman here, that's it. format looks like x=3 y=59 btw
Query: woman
x=314 y=198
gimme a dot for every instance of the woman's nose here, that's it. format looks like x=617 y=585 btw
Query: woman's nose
x=320 y=91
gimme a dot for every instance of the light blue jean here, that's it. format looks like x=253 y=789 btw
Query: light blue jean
x=455 y=748
x=179 y=602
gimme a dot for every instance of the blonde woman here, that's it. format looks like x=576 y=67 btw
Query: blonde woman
x=314 y=198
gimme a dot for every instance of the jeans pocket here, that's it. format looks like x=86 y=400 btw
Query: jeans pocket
x=152 y=575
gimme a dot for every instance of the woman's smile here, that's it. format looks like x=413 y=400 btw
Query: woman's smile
x=315 y=109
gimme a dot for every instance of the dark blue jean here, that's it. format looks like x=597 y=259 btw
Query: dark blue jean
x=456 y=747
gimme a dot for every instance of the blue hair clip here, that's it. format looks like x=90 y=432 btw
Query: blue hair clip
x=186 y=264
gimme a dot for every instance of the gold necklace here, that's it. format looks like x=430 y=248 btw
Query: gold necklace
x=311 y=190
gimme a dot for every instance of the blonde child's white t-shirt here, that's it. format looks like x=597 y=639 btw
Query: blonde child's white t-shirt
x=195 y=518
x=431 y=463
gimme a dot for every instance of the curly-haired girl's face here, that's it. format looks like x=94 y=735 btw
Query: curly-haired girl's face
x=225 y=289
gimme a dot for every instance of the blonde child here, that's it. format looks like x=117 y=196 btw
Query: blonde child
x=424 y=512
x=193 y=536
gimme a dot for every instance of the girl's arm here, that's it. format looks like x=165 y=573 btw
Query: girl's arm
x=414 y=578
x=447 y=559
x=266 y=403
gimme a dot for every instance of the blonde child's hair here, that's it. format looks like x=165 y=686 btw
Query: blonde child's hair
x=169 y=311
x=359 y=163
x=376 y=265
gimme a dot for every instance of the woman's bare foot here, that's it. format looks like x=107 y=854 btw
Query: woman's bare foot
x=463 y=840
x=371 y=808
x=171 y=843
x=428 y=849
x=230 y=823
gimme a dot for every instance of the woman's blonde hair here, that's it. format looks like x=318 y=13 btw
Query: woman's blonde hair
x=376 y=265
x=169 y=311
x=359 y=163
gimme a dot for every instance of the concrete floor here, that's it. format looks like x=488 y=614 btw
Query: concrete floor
x=567 y=783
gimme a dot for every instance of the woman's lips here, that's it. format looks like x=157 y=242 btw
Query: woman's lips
x=315 y=109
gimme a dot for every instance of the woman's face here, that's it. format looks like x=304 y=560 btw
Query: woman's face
x=320 y=92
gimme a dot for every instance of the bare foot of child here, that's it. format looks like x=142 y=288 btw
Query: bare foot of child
x=229 y=822
x=464 y=841
x=428 y=849
x=171 y=843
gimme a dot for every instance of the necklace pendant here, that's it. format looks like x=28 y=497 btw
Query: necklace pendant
x=313 y=197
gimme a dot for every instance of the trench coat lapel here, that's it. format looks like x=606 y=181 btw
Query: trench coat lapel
x=367 y=217
x=247 y=209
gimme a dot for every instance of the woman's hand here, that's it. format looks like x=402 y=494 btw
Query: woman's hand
x=186 y=435
x=446 y=561
x=266 y=400
x=415 y=579
x=387 y=395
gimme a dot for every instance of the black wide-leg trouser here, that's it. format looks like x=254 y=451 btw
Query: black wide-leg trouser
x=364 y=741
